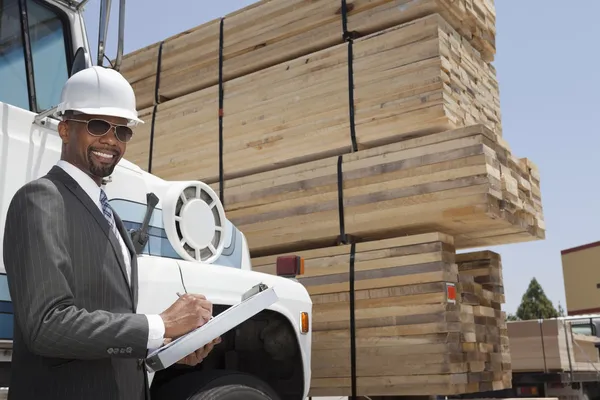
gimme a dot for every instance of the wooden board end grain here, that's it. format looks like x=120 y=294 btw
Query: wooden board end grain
x=481 y=288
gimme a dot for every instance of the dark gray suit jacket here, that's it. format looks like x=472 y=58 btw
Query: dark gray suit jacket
x=76 y=333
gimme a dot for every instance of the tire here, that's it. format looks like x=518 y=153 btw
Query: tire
x=231 y=392
x=216 y=384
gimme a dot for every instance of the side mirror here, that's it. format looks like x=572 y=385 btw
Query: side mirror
x=103 y=29
x=140 y=237
x=81 y=61
x=105 y=7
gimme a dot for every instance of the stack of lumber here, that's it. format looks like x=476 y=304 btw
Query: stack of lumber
x=410 y=80
x=461 y=182
x=413 y=337
x=271 y=32
x=380 y=155
x=550 y=345
x=481 y=289
x=585 y=351
x=486 y=269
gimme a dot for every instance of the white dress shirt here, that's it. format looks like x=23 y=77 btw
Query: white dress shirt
x=155 y=322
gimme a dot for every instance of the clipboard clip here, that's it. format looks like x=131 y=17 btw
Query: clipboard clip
x=254 y=290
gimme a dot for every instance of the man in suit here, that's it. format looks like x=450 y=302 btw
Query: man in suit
x=71 y=265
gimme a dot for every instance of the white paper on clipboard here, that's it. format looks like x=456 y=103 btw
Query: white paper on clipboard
x=169 y=354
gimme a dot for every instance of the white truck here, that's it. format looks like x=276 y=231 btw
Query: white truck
x=186 y=243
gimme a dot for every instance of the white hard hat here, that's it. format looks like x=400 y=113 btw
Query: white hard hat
x=100 y=91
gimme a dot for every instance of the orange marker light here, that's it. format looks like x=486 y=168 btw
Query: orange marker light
x=304 y=322
x=301 y=268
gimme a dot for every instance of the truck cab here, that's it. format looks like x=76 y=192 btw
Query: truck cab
x=186 y=243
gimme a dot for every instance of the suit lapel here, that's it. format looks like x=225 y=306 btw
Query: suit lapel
x=83 y=197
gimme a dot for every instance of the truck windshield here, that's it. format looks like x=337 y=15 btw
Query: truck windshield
x=132 y=214
x=47 y=32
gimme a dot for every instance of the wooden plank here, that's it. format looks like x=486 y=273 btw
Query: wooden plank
x=485 y=267
x=448 y=182
x=476 y=271
x=411 y=80
x=401 y=312
x=270 y=32
x=550 y=345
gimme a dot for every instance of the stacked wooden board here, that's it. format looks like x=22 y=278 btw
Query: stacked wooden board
x=422 y=325
x=551 y=345
x=481 y=288
x=412 y=79
x=365 y=136
x=271 y=32
x=460 y=182
x=485 y=267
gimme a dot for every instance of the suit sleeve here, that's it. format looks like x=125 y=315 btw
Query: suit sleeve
x=35 y=257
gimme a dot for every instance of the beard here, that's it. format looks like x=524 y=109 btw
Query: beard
x=102 y=169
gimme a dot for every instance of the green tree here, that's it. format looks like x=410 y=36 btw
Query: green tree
x=561 y=310
x=511 y=317
x=535 y=304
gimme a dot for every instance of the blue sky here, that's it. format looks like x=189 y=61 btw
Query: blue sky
x=549 y=94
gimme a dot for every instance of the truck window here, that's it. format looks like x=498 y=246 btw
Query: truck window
x=49 y=54
x=582 y=329
x=6 y=310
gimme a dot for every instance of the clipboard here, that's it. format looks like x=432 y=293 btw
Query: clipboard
x=253 y=301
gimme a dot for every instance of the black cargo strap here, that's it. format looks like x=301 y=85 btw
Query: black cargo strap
x=352 y=322
x=156 y=102
x=349 y=37
x=340 y=185
x=221 y=173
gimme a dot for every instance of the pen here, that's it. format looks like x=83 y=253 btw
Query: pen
x=179 y=295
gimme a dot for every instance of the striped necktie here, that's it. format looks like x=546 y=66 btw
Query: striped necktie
x=108 y=213
x=113 y=226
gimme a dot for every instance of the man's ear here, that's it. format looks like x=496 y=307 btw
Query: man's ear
x=63 y=131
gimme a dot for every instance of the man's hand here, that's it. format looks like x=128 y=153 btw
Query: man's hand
x=199 y=355
x=189 y=312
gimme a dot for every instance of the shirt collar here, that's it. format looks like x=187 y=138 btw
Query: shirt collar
x=87 y=184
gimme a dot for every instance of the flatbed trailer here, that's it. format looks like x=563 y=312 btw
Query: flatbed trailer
x=556 y=357
x=576 y=385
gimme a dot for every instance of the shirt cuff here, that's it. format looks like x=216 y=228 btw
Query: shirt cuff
x=156 y=331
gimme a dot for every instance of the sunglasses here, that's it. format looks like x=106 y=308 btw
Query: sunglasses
x=99 y=127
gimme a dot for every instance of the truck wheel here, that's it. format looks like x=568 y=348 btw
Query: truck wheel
x=215 y=384
x=231 y=392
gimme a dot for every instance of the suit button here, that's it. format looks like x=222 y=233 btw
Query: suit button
x=109 y=350
x=129 y=350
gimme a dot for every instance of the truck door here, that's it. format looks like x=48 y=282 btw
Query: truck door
x=34 y=55
x=34 y=59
